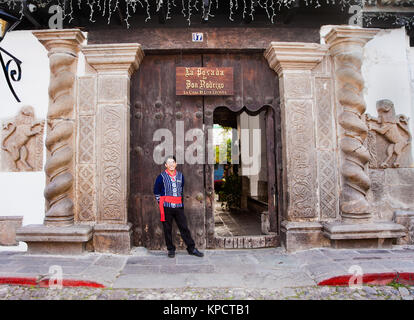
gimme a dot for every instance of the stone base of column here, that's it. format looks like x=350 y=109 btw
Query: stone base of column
x=302 y=236
x=112 y=238
x=364 y=235
x=43 y=239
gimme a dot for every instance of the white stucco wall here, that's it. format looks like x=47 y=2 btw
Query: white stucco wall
x=21 y=193
x=411 y=70
x=386 y=71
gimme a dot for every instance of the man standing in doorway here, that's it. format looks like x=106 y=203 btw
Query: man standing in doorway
x=168 y=190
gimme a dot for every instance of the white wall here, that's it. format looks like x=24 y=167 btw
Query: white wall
x=246 y=121
x=411 y=69
x=386 y=71
x=21 y=193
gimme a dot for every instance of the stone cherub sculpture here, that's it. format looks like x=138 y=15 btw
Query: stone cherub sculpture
x=19 y=132
x=391 y=128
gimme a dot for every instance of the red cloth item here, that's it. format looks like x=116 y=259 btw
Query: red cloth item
x=170 y=199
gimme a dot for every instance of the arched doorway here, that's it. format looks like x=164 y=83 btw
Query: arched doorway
x=244 y=198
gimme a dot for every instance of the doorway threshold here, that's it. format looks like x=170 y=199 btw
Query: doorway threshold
x=247 y=242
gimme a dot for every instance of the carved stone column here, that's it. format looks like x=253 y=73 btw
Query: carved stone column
x=293 y=63
x=346 y=46
x=114 y=65
x=59 y=234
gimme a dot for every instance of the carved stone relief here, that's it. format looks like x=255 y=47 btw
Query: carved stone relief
x=297 y=86
x=111 y=88
x=22 y=142
x=111 y=162
x=86 y=95
x=86 y=192
x=326 y=144
x=86 y=158
x=301 y=158
x=389 y=138
x=86 y=172
x=86 y=139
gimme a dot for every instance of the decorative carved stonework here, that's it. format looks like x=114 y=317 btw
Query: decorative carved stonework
x=86 y=95
x=389 y=140
x=297 y=86
x=114 y=64
x=301 y=165
x=86 y=145
x=86 y=150
x=346 y=47
x=110 y=164
x=294 y=62
x=86 y=195
x=112 y=88
x=59 y=234
x=63 y=46
x=326 y=144
x=22 y=142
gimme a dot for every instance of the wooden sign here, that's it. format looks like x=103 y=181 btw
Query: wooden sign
x=201 y=81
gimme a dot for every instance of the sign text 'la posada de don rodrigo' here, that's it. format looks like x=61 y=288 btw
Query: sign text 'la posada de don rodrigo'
x=204 y=81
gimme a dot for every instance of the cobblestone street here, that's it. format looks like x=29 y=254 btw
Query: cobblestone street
x=255 y=274
x=304 y=293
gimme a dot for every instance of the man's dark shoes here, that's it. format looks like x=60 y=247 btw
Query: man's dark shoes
x=196 y=253
x=171 y=254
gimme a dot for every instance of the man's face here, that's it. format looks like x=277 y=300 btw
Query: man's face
x=171 y=164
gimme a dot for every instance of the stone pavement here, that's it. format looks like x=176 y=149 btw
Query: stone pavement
x=248 y=273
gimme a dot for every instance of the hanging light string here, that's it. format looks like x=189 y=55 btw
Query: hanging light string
x=108 y=7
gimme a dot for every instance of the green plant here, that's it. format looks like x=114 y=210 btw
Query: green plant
x=230 y=192
x=395 y=284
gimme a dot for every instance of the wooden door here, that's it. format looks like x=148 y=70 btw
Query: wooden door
x=154 y=105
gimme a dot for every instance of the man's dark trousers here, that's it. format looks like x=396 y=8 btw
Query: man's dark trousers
x=178 y=215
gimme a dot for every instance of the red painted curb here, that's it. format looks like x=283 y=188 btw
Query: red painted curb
x=27 y=281
x=406 y=278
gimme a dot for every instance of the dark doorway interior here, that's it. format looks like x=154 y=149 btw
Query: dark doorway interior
x=240 y=188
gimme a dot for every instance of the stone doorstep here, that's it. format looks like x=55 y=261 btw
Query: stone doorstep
x=246 y=242
x=302 y=235
x=300 y=226
x=11 y=218
x=43 y=239
x=379 y=230
x=42 y=233
x=112 y=238
x=8 y=226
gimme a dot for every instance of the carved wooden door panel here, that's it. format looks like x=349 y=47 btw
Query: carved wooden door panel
x=154 y=106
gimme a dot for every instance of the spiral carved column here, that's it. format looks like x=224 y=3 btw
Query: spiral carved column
x=63 y=47
x=355 y=230
x=59 y=234
x=59 y=142
x=346 y=46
